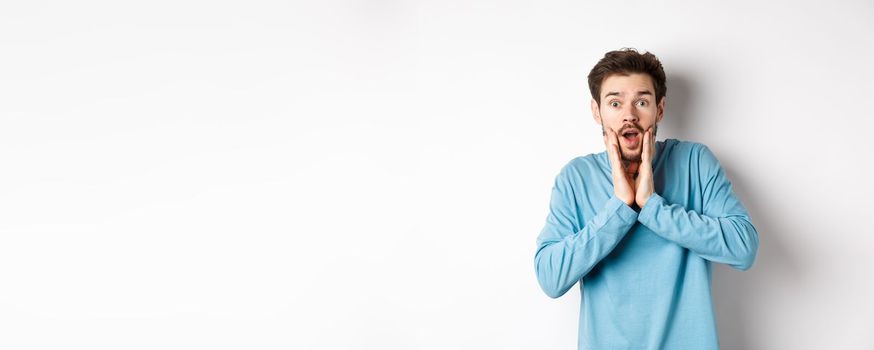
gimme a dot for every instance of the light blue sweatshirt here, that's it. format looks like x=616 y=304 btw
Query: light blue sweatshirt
x=645 y=276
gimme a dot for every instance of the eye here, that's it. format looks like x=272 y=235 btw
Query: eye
x=614 y=103
x=642 y=103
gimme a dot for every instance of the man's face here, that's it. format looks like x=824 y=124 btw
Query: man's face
x=628 y=106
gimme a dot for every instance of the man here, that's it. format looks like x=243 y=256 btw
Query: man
x=640 y=223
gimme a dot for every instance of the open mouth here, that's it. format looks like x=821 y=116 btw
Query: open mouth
x=631 y=136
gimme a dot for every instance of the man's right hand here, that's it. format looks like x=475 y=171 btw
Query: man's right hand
x=621 y=183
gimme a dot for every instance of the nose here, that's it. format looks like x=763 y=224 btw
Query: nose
x=629 y=115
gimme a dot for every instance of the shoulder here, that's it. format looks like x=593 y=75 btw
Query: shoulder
x=581 y=165
x=695 y=155
x=684 y=146
x=692 y=150
x=576 y=171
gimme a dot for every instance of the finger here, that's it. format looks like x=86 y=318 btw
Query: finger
x=646 y=137
x=651 y=143
x=646 y=157
x=615 y=162
x=614 y=152
x=607 y=142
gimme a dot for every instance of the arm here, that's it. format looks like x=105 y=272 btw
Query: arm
x=566 y=252
x=722 y=233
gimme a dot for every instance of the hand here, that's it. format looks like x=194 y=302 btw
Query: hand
x=621 y=181
x=643 y=184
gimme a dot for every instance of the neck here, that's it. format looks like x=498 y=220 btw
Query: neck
x=631 y=167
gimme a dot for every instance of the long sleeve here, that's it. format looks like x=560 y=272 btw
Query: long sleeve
x=566 y=252
x=722 y=233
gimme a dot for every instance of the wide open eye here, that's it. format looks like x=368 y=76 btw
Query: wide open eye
x=642 y=103
x=614 y=103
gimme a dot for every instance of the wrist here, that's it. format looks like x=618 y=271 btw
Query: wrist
x=642 y=201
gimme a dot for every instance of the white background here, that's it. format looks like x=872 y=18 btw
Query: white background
x=373 y=174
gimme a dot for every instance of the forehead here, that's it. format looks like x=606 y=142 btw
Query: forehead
x=627 y=84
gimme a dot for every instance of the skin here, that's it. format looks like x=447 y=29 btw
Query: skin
x=628 y=102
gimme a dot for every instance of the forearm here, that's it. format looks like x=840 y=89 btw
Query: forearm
x=729 y=238
x=563 y=258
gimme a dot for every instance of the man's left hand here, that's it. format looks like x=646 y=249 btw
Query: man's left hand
x=644 y=184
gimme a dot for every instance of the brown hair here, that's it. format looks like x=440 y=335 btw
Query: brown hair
x=626 y=61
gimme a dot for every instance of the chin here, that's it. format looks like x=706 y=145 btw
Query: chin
x=637 y=159
x=633 y=156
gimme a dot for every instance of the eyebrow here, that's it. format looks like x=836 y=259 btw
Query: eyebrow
x=639 y=93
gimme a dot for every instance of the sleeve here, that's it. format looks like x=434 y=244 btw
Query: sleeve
x=722 y=233
x=566 y=252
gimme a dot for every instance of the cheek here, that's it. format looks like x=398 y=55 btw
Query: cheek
x=648 y=117
x=609 y=117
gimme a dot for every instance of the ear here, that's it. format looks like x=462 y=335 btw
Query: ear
x=596 y=112
x=661 y=109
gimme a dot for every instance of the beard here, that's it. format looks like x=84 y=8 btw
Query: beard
x=632 y=155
